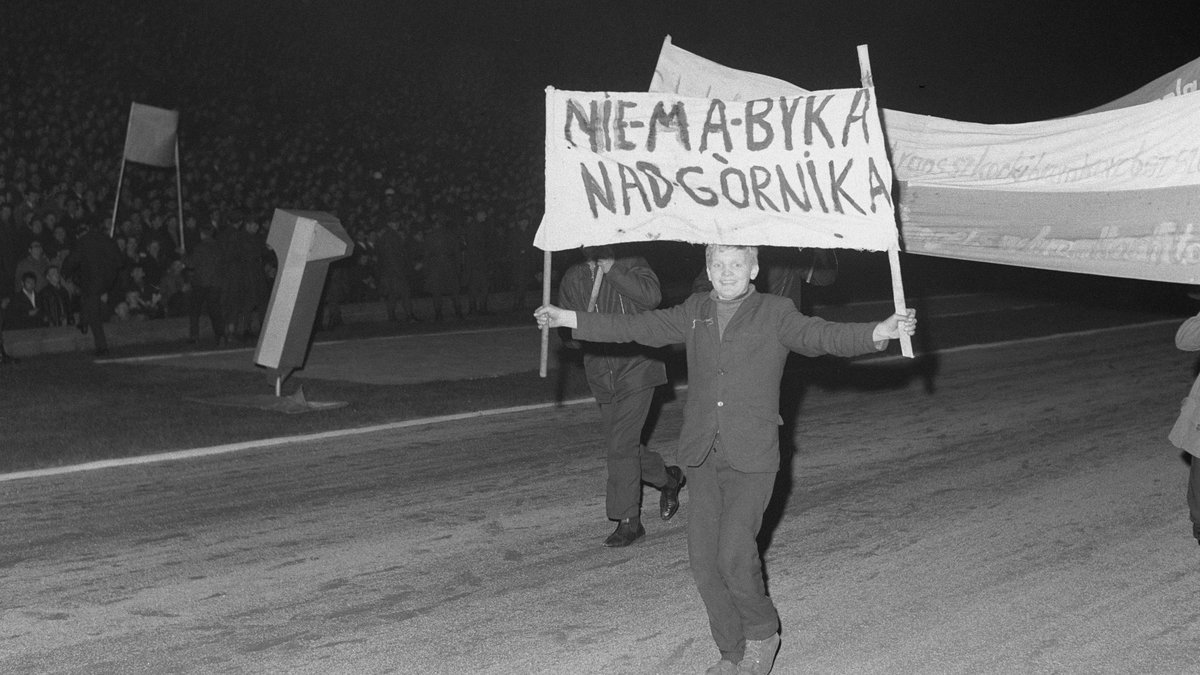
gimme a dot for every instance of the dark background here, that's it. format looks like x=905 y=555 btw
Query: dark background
x=992 y=62
x=475 y=72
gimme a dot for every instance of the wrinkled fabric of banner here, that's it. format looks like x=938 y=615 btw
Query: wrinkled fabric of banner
x=803 y=170
x=1113 y=193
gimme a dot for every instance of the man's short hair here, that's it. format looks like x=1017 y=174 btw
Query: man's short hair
x=711 y=250
x=28 y=275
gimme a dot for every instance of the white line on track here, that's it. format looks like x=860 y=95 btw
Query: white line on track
x=343 y=433
x=500 y=329
x=226 y=352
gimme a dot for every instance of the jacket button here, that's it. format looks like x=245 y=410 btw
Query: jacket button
x=720 y=403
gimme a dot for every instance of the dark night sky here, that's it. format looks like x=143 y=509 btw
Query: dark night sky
x=993 y=62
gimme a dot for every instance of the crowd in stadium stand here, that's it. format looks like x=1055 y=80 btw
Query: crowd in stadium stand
x=464 y=190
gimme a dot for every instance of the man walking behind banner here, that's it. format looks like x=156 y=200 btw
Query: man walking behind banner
x=737 y=343
x=623 y=379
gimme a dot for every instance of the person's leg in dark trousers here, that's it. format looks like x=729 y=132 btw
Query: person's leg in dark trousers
x=91 y=310
x=628 y=463
x=215 y=316
x=725 y=513
x=195 y=308
x=205 y=300
x=1193 y=495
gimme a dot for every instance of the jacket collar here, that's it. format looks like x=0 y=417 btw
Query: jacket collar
x=750 y=301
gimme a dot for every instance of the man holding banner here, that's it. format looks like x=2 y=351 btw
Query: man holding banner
x=797 y=170
x=737 y=343
x=623 y=379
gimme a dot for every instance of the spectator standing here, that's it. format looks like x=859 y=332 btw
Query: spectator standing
x=477 y=263
x=393 y=265
x=258 y=255
x=58 y=299
x=94 y=265
x=241 y=262
x=175 y=289
x=336 y=292
x=154 y=262
x=441 y=247
x=206 y=260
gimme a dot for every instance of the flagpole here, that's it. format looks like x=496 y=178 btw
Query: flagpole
x=179 y=195
x=542 y=365
x=121 y=175
x=864 y=70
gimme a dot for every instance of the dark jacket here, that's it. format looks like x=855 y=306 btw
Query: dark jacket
x=94 y=263
x=393 y=263
x=22 y=313
x=616 y=370
x=733 y=380
x=207 y=263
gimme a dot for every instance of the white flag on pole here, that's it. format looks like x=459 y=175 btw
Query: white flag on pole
x=151 y=136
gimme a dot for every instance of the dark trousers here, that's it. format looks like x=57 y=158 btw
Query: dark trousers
x=92 y=314
x=205 y=300
x=725 y=511
x=629 y=463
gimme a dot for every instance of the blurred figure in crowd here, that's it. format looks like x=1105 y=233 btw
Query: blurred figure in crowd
x=393 y=265
x=94 y=266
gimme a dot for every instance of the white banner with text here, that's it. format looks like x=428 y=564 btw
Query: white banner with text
x=1114 y=193
x=799 y=170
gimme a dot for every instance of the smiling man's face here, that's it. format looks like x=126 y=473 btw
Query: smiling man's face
x=731 y=269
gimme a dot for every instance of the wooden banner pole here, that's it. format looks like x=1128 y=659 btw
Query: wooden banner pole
x=542 y=366
x=120 y=178
x=864 y=70
x=179 y=197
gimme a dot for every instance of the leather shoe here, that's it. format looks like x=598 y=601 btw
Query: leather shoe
x=722 y=667
x=668 y=501
x=627 y=532
x=760 y=656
